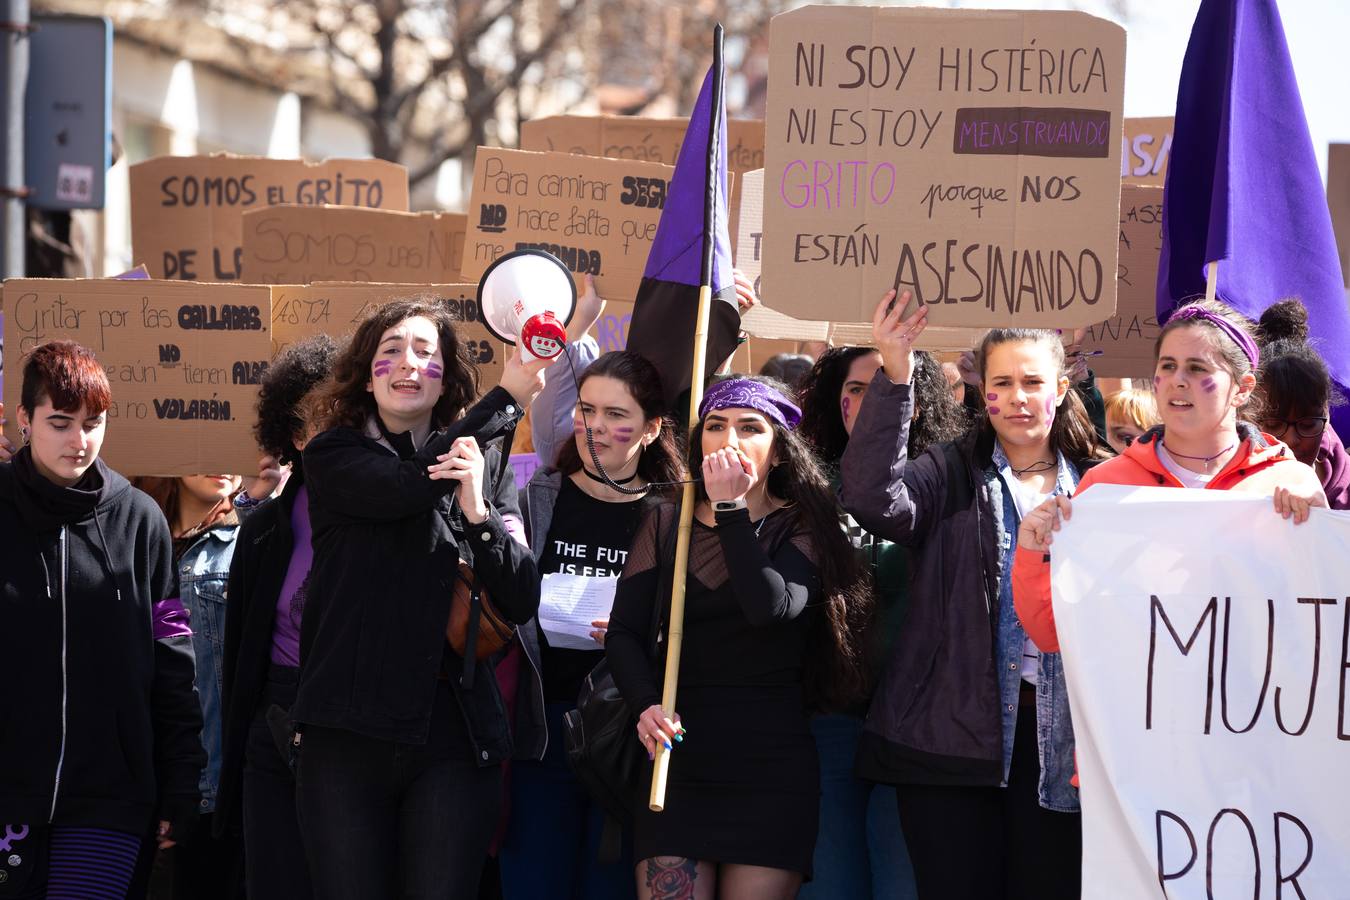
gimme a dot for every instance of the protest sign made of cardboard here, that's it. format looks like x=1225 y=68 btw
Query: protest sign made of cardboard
x=184 y=362
x=969 y=157
x=599 y=216
x=765 y=322
x=639 y=138
x=1122 y=346
x=1144 y=149
x=187 y=211
x=1338 y=200
x=294 y=244
x=336 y=308
x=1206 y=664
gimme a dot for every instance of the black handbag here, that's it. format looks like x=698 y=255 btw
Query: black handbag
x=600 y=735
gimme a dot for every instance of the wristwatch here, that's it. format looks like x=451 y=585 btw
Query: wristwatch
x=721 y=506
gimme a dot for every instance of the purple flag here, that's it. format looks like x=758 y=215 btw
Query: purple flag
x=663 y=323
x=1243 y=186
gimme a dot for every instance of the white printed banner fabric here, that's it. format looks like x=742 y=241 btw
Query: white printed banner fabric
x=1206 y=643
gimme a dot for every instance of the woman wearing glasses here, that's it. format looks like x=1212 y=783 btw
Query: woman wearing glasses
x=1297 y=396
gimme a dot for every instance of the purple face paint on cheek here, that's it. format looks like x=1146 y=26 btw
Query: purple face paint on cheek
x=1157 y=380
x=383 y=367
x=993 y=410
x=1049 y=411
x=991 y=397
x=623 y=435
x=1209 y=385
x=844 y=406
x=434 y=371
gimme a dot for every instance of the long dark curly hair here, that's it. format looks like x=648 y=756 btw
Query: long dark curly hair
x=293 y=374
x=345 y=402
x=660 y=462
x=940 y=418
x=838 y=678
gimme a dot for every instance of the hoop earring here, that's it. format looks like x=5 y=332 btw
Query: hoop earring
x=23 y=433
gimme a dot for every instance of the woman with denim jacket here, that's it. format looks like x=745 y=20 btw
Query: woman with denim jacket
x=970 y=720
x=203 y=525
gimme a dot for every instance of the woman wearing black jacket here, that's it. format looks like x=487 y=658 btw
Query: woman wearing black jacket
x=399 y=782
x=99 y=732
x=268 y=582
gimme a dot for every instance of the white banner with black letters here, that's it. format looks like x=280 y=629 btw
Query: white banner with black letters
x=1207 y=647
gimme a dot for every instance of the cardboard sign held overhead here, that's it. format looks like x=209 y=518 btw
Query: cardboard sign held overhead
x=764 y=322
x=749 y=236
x=970 y=157
x=301 y=244
x=299 y=311
x=598 y=216
x=184 y=362
x=1144 y=149
x=187 y=211
x=1124 y=342
x=639 y=138
x=1338 y=199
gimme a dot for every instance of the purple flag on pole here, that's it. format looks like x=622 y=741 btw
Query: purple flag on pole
x=1243 y=186
x=663 y=323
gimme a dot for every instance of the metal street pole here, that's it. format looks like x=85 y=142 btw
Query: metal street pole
x=14 y=25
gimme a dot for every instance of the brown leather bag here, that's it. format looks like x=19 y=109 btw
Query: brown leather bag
x=494 y=632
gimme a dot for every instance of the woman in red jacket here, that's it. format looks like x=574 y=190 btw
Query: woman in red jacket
x=1204 y=376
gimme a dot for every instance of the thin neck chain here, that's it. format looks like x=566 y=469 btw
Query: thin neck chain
x=1204 y=459
x=1042 y=465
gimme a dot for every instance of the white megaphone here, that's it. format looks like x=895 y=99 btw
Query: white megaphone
x=527 y=298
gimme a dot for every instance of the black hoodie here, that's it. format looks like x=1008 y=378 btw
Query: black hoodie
x=100 y=722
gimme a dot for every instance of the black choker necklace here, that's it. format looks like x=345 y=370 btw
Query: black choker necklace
x=594 y=477
x=1207 y=460
x=1043 y=465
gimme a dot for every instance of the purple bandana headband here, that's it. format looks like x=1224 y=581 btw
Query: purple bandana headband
x=1240 y=337
x=746 y=394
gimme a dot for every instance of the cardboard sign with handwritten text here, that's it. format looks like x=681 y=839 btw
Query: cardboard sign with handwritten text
x=1338 y=200
x=970 y=157
x=336 y=309
x=186 y=211
x=302 y=244
x=765 y=322
x=599 y=216
x=1144 y=150
x=639 y=138
x=184 y=362
x=1124 y=342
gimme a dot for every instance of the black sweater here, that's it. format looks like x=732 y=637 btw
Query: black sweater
x=387 y=542
x=100 y=722
x=262 y=555
x=748 y=605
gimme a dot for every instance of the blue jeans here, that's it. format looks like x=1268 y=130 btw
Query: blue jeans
x=553 y=838
x=860 y=851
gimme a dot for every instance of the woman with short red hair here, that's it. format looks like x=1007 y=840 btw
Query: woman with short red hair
x=99 y=730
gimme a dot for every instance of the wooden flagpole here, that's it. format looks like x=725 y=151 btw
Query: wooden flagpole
x=675 y=627
x=1212 y=280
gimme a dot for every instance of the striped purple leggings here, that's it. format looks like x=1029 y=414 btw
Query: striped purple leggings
x=89 y=864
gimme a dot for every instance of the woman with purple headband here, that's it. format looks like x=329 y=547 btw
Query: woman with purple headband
x=1206 y=360
x=774 y=597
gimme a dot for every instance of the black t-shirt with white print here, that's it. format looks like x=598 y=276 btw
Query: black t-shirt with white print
x=587 y=537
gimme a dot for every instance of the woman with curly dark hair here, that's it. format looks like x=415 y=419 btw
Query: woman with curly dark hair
x=401 y=737
x=859 y=826
x=774 y=599
x=266 y=595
